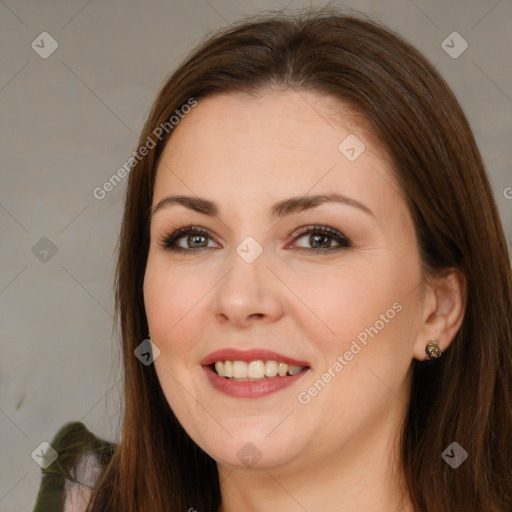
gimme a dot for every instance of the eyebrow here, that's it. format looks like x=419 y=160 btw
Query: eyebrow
x=278 y=210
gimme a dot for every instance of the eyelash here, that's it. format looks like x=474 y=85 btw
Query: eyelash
x=168 y=241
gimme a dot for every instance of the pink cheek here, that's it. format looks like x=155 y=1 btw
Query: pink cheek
x=338 y=303
x=174 y=311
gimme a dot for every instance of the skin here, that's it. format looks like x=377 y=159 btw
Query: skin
x=340 y=450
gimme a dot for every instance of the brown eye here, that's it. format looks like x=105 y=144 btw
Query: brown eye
x=188 y=239
x=195 y=241
x=321 y=239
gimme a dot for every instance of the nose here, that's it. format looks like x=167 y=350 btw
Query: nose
x=248 y=293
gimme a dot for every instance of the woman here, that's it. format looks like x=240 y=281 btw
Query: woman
x=310 y=238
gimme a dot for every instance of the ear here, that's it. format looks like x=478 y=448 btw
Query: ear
x=444 y=304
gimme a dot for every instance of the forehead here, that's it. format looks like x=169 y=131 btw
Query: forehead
x=273 y=144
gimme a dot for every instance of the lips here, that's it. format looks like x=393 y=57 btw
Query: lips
x=242 y=385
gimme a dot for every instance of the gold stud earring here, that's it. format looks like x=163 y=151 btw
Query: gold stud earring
x=432 y=349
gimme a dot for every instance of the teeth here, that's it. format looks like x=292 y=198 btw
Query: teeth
x=239 y=370
x=228 y=369
x=271 y=368
x=293 y=370
x=255 y=370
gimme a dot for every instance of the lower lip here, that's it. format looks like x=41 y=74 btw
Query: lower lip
x=251 y=389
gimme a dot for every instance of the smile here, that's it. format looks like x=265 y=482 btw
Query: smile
x=252 y=373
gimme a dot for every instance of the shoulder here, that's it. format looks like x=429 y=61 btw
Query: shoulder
x=67 y=483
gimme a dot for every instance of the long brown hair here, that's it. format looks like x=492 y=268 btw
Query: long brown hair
x=466 y=396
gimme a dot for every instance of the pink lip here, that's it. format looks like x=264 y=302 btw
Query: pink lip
x=250 y=389
x=232 y=354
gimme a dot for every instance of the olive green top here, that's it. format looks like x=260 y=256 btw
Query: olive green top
x=69 y=479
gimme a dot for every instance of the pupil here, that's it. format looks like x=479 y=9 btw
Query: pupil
x=314 y=239
x=197 y=239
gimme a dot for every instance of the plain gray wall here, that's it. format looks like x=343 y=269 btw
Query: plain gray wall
x=71 y=120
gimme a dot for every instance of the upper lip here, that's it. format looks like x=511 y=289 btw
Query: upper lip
x=233 y=354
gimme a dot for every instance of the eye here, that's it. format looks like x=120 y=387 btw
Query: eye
x=187 y=239
x=320 y=239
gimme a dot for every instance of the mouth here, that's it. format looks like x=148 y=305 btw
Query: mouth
x=252 y=373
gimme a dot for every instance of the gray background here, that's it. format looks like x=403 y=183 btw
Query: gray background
x=71 y=120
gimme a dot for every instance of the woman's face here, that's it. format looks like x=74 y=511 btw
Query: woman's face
x=279 y=274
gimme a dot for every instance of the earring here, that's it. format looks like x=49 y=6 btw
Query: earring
x=432 y=349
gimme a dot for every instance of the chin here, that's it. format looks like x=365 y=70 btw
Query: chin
x=250 y=449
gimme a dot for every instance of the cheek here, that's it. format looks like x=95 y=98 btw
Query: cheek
x=173 y=304
x=363 y=312
x=363 y=342
x=171 y=297
x=345 y=300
